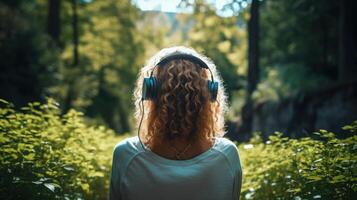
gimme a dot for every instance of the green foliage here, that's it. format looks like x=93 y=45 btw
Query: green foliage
x=44 y=155
x=110 y=54
x=223 y=41
x=28 y=56
x=352 y=128
x=297 y=38
x=283 y=168
x=47 y=156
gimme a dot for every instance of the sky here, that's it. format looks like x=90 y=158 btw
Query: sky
x=172 y=6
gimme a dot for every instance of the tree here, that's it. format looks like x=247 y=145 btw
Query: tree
x=347 y=59
x=68 y=102
x=53 y=20
x=300 y=42
x=98 y=70
x=27 y=56
x=223 y=41
x=253 y=67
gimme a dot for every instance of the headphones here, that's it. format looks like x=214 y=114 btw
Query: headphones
x=151 y=84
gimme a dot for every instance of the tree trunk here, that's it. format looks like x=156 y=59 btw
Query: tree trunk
x=75 y=32
x=53 y=20
x=253 y=68
x=70 y=92
x=347 y=41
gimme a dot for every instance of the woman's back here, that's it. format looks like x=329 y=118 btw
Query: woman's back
x=140 y=174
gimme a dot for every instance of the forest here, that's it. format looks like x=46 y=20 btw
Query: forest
x=68 y=70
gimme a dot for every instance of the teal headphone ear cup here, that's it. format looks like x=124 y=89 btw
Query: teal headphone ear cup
x=154 y=88
x=213 y=89
x=144 y=93
x=150 y=88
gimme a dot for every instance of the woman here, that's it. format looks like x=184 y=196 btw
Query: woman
x=179 y=152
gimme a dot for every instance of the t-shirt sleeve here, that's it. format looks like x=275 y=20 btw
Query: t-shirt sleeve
x=238 y=176
x=114 y=185
x=233 y=154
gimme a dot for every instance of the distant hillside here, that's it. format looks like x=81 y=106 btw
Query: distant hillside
x=175 y=23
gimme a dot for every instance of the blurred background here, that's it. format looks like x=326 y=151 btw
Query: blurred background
x=288 y=65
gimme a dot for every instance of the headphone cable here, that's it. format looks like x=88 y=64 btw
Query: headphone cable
x=141 y=120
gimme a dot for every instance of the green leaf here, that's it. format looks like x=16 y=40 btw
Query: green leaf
x=69 y=168
x=52 y=186
x=339 y=178
x=315 y=178
x=30 y=156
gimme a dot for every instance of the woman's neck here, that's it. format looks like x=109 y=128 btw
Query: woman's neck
x=171 y=148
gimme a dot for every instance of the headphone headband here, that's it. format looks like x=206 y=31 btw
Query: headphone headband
x=189 y=57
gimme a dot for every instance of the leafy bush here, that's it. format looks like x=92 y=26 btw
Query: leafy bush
x=46 y=156
x=283 y=168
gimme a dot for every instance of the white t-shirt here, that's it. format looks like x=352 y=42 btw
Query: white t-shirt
x=139 y=174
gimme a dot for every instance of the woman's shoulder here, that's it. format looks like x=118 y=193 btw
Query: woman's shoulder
x=225 y=143
x=127 y=143
x=228 y=148
x=127 y=147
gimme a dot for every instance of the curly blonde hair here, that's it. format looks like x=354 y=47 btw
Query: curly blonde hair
x=182 y=107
